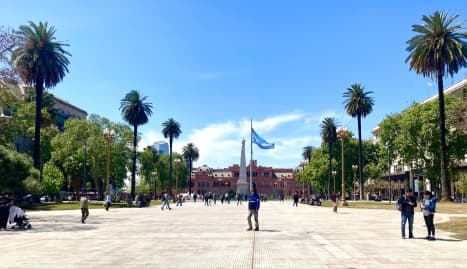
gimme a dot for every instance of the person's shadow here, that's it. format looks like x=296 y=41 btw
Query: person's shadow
x=441 y=239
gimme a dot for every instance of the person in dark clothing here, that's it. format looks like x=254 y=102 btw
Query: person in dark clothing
x=406 y=205
x=253 y=208
x=295 y=199
x=195 y=196
x=428 y=206
x=334 y=199
x=4 y=210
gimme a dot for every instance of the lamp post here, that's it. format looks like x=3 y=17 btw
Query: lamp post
x=342 y=134
x=354 y=169
x=388 y=146
x=177 y=162
x=334 y=173
x=154 y=178
x=302 y=166
x=109 y=135
x=84 y=167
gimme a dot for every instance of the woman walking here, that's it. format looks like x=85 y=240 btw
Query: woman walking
x=428 y=206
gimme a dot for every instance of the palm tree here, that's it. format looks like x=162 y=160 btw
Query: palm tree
x=42 y=62
x=358 y=103
x=171 y=129
x=329 y=136
x=135 y=111
x=438 y=50
x=306 y=153
x=190 y=154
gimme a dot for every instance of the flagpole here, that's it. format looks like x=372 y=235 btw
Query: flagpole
x=251 y=154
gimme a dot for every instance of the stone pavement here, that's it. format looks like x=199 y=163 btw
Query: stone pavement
x=195 y=236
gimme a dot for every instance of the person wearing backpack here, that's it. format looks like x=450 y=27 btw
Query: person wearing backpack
x=428 y=207
x=406 y=205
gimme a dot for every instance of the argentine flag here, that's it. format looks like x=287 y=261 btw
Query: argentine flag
x=259 y=141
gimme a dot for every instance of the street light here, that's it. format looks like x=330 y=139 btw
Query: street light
x=109 y=135
x=154 y=178
x=302 y=165
x=388 y=146
x=342 y=133
x=354 y=169
x=334 y=173
x=177 y=162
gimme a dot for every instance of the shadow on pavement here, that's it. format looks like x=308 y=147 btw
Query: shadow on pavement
x=270 y=231
x=59 y=224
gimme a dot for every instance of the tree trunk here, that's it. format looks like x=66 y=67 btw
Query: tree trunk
x=445 y=186
x=330 y=169
x=133 y=170
x=189 y=184
x=37 y=127
x=360 y=155
x=170 y=165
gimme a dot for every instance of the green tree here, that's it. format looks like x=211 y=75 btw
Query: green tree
x=190 y=154
x=438 y=50
x=40 y=61
x=171 y=129
x=53 y=179
x=148 y=159
x=135 y=111
x=358 y=104
x=329 y=136
x=306 y=153
x=18 y=175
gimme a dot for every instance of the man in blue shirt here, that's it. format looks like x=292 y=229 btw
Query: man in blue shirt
x=253 y=208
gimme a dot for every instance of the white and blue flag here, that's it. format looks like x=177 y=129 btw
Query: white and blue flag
x=259 y=141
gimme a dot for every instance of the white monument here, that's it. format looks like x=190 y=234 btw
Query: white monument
x=242 y=184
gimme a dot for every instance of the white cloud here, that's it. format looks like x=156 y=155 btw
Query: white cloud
x=220 y=143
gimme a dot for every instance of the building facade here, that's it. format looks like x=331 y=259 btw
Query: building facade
x=401 y=173
x=269 y=181
x=161 y=147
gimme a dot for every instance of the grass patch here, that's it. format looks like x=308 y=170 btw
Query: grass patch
x=441 y=207
x=458 y=226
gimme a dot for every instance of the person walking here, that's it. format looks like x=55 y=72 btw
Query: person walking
x=108 y=201
x=295 y=199
x=195 y=196
x=253 y=208
x=84 y=205
x=428 y=206
x=406 y=205
x=166 y=202
x=206 y=199
x=222 y=198
x=214 y=198
x=239 y=198
x=334 y=199
x=179 y=200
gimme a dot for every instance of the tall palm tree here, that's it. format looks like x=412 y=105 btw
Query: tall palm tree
x=306 y=153
x=190 y=154
x=171 y=129
x=41 y=61
x=136 y=111
x=358 y=103
x=439 y=50
x=329 y=136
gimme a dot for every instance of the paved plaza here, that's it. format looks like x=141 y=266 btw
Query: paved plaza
x=195 y=236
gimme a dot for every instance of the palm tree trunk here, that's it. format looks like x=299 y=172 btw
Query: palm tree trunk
x=191 y=168
x=170 y=165
x=133 y=170
x=37 y=128
x=330 y=169
x=360 y=154
x=445 y=186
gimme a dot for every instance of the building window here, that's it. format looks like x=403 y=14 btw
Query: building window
x=238 y=174
x=266 y=174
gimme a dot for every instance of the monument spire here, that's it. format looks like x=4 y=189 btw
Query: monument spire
x=242 y=184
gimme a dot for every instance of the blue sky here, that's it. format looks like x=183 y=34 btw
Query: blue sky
x=213 y=65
